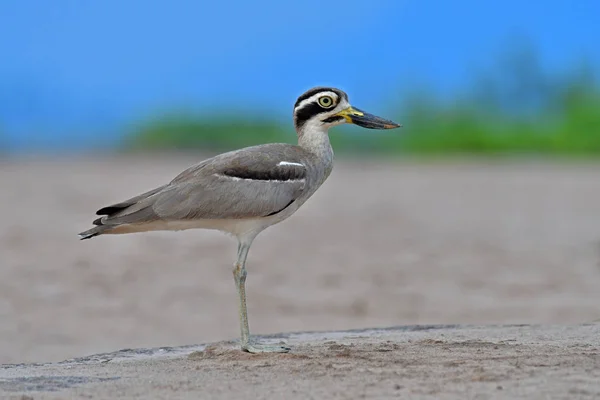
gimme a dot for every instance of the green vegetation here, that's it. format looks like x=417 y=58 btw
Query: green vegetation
x=523 y=110
x=518 y=109
x=187 y=131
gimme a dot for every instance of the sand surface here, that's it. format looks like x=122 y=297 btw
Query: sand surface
x=380 y=244
x=416 y=362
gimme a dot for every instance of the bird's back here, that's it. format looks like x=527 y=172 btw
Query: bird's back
x=254 y=182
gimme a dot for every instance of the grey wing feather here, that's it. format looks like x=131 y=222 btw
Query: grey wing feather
x=219 y=198
x=244 y=184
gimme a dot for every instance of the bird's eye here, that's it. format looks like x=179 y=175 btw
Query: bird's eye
x=326 y=101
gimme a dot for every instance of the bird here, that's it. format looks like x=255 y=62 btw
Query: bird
x=245 y=191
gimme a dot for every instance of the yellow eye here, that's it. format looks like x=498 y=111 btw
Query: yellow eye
x=326 y=101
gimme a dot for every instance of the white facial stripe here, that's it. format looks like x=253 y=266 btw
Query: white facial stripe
x=283 y=163
x=314 y=98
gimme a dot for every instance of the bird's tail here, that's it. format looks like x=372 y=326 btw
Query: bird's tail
x=95 y=231
x=123 y=213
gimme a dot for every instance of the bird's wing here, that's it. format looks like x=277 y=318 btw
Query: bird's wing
x=253 y=182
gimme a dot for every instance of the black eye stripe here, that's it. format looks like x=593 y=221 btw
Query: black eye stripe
x=335 y=118
x=307 y=112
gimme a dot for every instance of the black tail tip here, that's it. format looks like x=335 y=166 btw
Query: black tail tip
x=84 y=236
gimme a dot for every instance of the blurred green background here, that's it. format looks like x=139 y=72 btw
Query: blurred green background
x=517 y=108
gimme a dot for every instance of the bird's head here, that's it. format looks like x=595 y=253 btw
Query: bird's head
x=324 y=107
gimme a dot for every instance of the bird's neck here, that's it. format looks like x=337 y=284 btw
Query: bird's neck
x=315 y=139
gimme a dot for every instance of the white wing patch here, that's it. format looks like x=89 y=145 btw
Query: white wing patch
x=284 y=163
x=233 y=178
x=237 y=178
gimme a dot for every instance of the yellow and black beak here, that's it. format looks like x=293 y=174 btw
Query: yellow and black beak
x=355 y=116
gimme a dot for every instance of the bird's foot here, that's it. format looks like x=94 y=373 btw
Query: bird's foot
x=262 y=348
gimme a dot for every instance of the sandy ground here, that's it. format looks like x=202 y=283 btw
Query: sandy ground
x=425 y=362
x=380 y=244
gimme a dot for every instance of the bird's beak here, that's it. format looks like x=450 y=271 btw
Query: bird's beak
x=366 y=120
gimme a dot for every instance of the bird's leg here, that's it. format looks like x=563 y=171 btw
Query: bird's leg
x=239 y=274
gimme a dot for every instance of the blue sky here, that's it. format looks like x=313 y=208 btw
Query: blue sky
x=84 y=70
